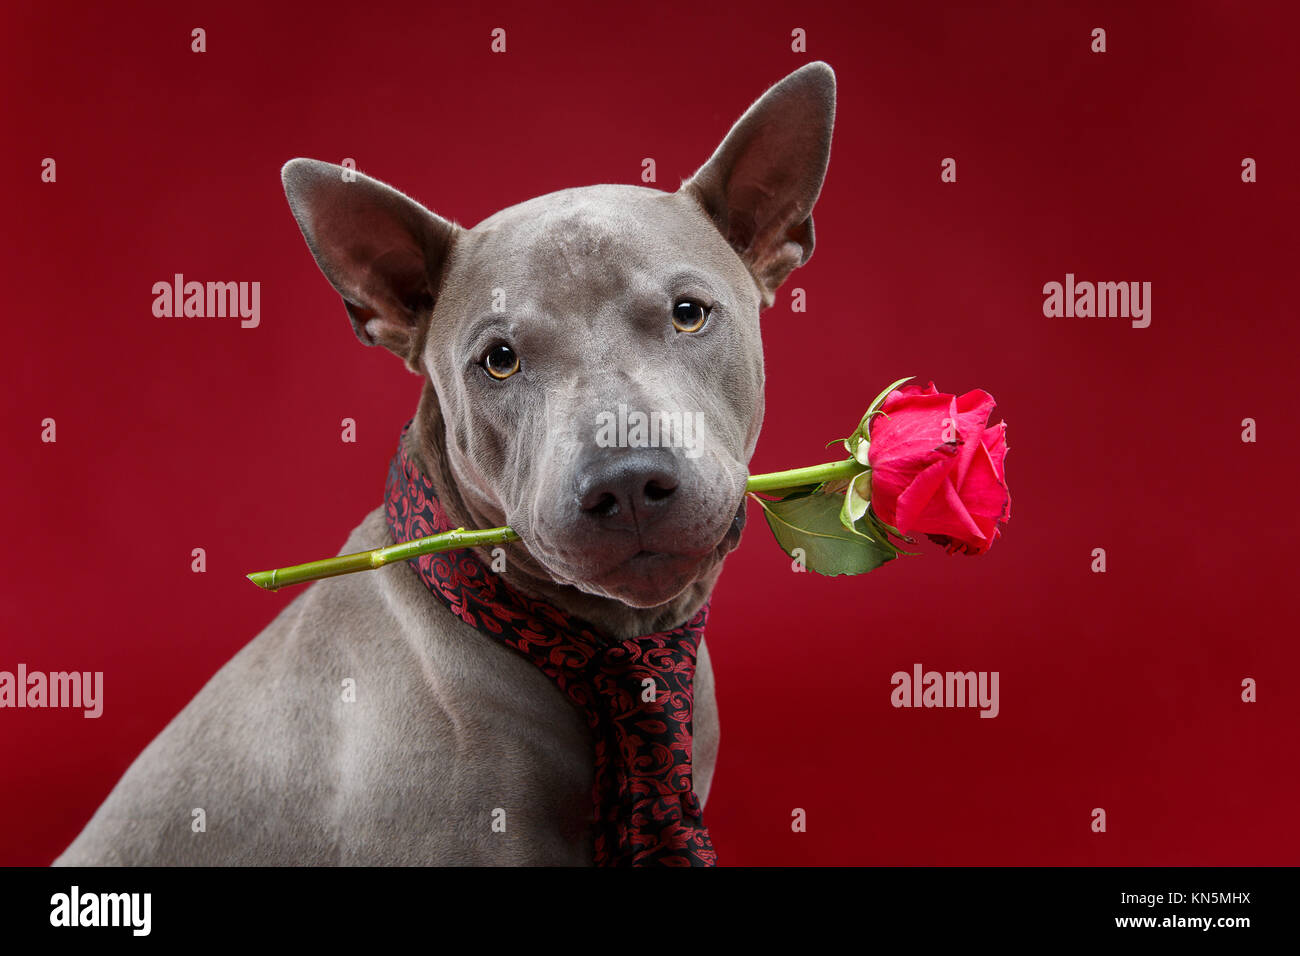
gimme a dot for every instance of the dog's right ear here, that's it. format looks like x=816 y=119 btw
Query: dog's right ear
x=760 y=186
x=381 y=250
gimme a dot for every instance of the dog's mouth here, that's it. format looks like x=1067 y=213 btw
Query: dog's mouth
x=731 y=539
x=653 y=575
x=644 y=558
x=729 y=542
x=650 y=578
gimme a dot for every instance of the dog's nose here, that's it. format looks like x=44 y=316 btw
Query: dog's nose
x=629 y=489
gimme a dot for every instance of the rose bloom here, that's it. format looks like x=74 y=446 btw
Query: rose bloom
x=937 y=467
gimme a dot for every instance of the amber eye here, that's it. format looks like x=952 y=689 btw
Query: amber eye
x=501 y=361
x=689 y=315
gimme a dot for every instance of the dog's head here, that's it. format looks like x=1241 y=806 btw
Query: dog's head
x=593 y=358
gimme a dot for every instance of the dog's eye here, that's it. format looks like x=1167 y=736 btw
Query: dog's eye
x=689 y=315
x=501 y=361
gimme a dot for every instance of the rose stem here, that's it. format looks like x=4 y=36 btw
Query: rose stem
x=278 y=578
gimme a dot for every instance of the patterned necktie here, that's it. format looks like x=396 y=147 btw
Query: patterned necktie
x=636 y=695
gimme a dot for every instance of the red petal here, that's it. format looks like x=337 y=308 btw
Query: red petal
x=892 y=478
x=971 y=415
x=947 y=515
x=983 y=492
x=910 y=424
x=995 y=440
x=916 y=498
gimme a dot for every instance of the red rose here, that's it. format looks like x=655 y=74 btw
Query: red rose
x=937 y=467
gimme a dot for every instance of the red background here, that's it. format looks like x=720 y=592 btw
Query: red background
x=1118 y=690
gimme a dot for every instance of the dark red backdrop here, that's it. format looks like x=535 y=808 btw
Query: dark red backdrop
x=1118 y=690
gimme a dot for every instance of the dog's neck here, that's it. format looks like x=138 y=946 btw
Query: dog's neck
x=427 y=448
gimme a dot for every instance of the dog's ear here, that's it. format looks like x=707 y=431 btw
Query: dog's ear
x=381 y=250
x=760 y=185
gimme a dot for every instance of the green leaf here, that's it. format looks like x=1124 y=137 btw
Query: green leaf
x=887 y=527
x=858 y=443
x=883 y=532
x=812 y=522
x=878 y=401
x=855 y=500
x=857 y=446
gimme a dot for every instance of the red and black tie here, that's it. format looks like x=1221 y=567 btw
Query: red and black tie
x=636 y=695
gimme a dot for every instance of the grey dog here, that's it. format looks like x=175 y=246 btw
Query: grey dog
x=525 y=329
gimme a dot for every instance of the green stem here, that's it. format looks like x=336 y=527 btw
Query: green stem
x=460 y=538
x=798 y=477
x=369 y=560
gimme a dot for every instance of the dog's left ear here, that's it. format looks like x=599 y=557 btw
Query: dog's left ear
x=760 y=185
x=381 y=250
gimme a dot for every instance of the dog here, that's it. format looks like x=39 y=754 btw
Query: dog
x=526 y=329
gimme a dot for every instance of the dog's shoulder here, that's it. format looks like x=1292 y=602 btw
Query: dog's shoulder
x=365 y=702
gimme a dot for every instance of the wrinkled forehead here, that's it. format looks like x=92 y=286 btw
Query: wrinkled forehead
x=591 y=244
